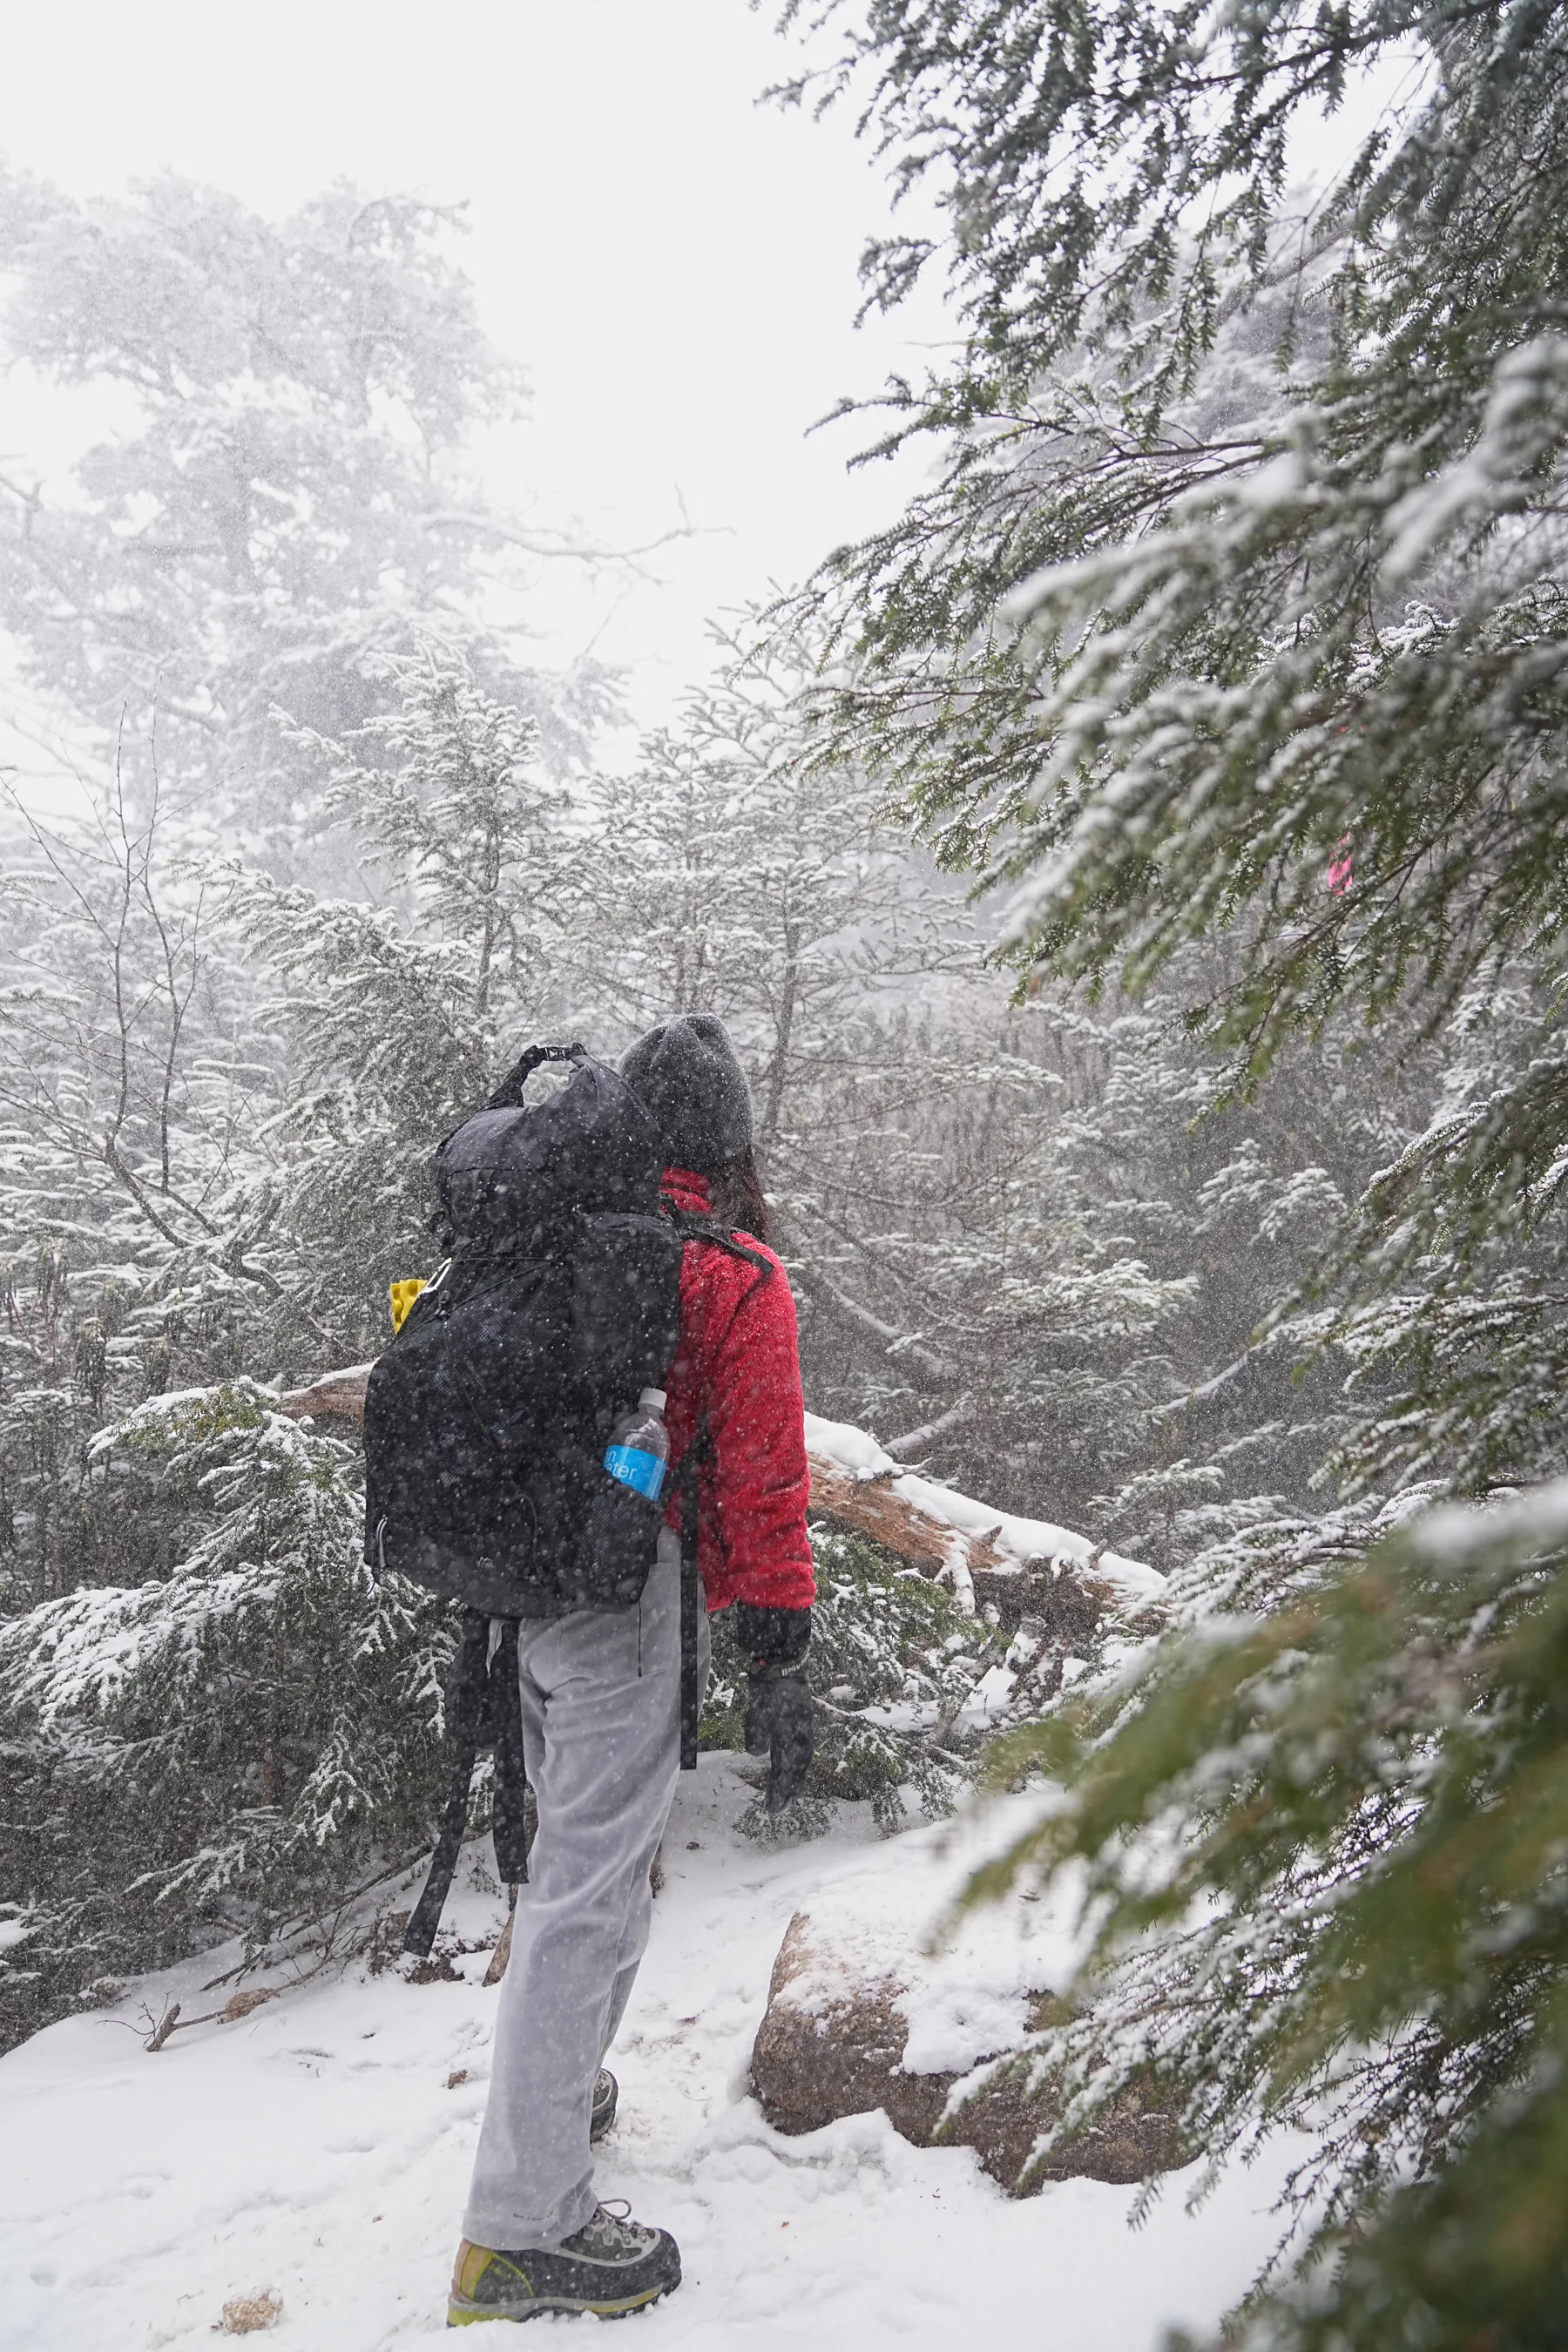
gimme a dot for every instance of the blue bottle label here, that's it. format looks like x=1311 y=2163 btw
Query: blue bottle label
x=635 y=1468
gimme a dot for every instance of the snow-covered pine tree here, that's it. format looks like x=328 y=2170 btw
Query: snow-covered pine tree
x=223 y=1748
x=1296 y=683
x=134 y=1205
x=212 y=1717
x=396 y=1017
x=748 y=883
x=1241 y=1199
x=288 y=490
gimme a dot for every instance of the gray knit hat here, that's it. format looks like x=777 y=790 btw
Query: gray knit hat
x=686 y=1075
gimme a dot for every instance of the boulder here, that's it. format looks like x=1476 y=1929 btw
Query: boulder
x=833 y=2040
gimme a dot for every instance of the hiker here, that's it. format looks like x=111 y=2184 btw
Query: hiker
x=601 y=1696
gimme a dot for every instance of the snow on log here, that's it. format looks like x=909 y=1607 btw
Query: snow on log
x=852 y=1480
x=855 y=1483
x=340 y=1392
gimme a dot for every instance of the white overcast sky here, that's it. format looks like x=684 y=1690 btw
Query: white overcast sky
x=674 y=264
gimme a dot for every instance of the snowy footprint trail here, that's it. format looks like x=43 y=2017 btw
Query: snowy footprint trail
x=319 y=2150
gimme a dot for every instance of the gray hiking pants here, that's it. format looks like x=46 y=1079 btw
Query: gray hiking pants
x=601 y=1733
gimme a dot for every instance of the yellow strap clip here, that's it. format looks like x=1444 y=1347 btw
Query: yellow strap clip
x=403 y=1294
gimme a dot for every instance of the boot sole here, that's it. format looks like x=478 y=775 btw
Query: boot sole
x=470 y=2315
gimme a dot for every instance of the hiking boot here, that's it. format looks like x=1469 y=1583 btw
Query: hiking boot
x=612 y=2265
x=602 y=2114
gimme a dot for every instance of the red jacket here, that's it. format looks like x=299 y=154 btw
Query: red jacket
x=738 y=1360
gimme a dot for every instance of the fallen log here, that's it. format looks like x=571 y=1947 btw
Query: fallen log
x=335 y=1392
x=982 y=1553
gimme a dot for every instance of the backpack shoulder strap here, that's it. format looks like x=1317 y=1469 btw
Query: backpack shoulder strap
x=693 y=1227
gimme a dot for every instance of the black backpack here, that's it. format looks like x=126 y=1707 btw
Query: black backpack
x=487 y=1418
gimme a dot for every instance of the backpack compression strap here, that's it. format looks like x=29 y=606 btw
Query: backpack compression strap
x=484 y=1709
x=690 y=1596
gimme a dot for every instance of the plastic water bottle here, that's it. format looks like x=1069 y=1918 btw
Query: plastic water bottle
x=638 y=1451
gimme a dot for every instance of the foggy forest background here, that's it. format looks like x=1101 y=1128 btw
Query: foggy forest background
x=1133 y=883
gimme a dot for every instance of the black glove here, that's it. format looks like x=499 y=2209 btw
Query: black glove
x=779 y=1722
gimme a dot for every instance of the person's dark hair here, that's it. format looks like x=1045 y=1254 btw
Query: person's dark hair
x=735 y=1190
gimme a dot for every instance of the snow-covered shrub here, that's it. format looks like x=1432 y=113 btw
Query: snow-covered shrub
x=1228 y=635
x=893 y=1664
x=239 y=1741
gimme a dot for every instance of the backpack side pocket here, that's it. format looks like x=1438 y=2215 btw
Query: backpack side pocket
x=620 y=1543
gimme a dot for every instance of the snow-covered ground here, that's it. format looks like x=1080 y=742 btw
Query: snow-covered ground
x=319 y=2150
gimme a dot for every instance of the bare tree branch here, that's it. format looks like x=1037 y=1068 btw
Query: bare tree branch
x=914 y=1441
x=907 y=1344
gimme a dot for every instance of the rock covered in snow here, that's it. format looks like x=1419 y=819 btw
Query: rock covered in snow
x=862 y=2014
